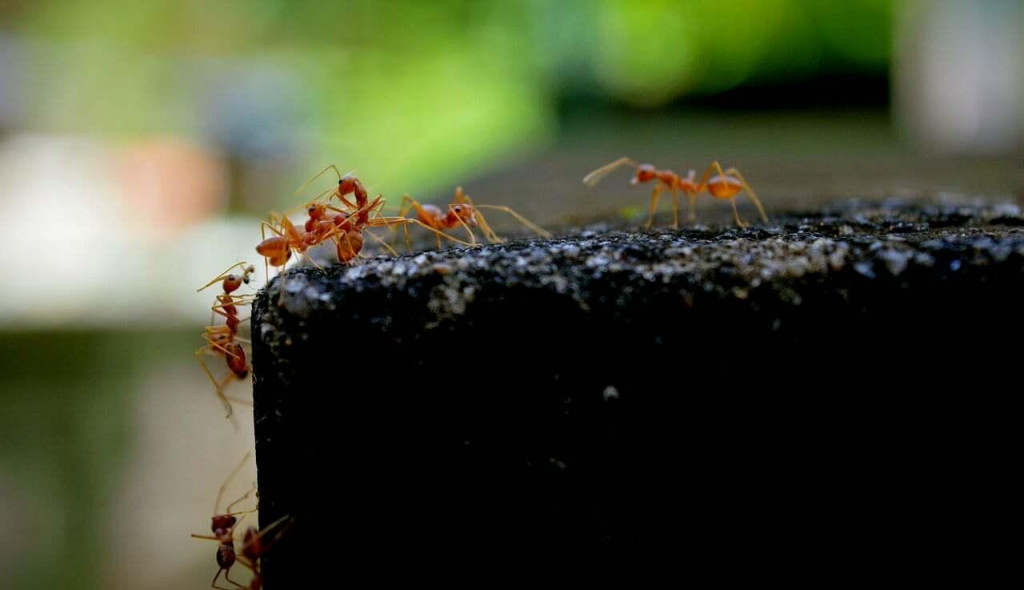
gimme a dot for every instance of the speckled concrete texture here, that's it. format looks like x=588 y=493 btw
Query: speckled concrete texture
x=615 y=389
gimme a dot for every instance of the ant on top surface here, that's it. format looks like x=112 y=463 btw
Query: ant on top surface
x=725 y=184
x=462 y=211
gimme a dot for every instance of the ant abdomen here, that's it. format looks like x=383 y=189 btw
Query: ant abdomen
x=226 y=555
x=236 y=360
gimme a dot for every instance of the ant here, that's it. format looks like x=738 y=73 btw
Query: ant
x=461 y=211
x=324 y=222
x=277 y=249
x=724 y=185
x=350 y=227
x=223 y=525
x=254 y=547
x=223 y=339
x=344 y=226
x=349 y=184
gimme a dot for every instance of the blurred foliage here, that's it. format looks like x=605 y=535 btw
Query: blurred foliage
x=63 y=437
x=402 y=89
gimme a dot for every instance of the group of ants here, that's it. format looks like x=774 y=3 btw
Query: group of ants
x=340 y=216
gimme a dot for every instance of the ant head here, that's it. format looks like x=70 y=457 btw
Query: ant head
x=644 y=173
x=246 y=272
x=465 y=213
x=315 y=210
x=221 y=523
x=347 y=184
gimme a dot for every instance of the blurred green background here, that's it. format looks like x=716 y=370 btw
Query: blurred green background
x=141 y=142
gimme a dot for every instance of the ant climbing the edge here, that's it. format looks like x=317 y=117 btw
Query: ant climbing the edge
x=223 y=340
x=223 y=525
x=724 y=185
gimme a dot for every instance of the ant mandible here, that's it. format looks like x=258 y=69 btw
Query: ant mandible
x=461 y=211
x=724 y=185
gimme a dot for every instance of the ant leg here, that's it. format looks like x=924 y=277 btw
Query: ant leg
x=654 y=205
x=244 y=513
x=488 y=232
x=529 y=224
x=712 y=167
x=213 y=584
x=736 y=214
x=409 y=203
x=469 y=231
x=675 y=208
x=240 y=300
x=403 y=210
x=481 y=221
x=216 y=385
x=534 y=226
x=693 y=207
x=306 y=256
x=227 y=481
x=347 y=203
x=227 y=574
x=382 y=243
x=703 y=185
x=247 y=494
x=440 y=234
x=383 y=221
x=213 y=344
x=472 y=237
x=462 y=198
x=749 y=191
x=277 y=536
x=318 y=175
x=596 y=176
x=237 y=400
x=222 y=275
x=406 y=205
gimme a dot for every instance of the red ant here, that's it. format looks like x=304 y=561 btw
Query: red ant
x=344 y=226
x=348 y=184
x=724 y=185
x=277 y=249
x=223 y=340
x=254 y=547
x=461 y=211
x=223 y=525
x=324 y=222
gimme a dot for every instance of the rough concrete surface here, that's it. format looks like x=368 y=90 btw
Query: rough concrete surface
x=664 y=390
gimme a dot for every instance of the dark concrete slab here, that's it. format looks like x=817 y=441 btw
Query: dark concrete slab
x=609 y=389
